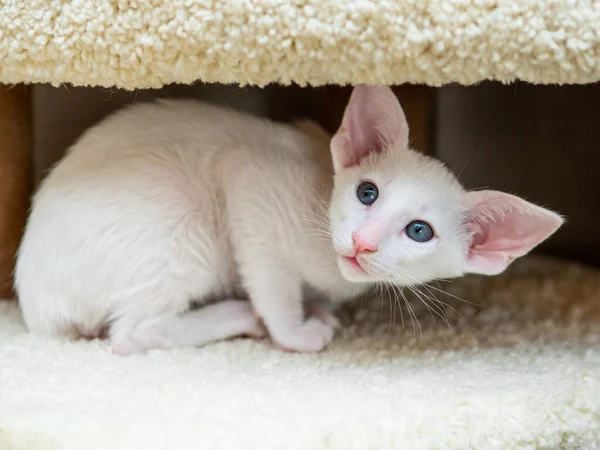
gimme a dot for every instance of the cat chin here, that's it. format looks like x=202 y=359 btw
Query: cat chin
x=357 y=278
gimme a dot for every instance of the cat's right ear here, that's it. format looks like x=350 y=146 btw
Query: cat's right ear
x=373 y=122
x=504 y=227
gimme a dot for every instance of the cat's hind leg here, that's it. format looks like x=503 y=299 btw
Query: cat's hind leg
x=209 y=323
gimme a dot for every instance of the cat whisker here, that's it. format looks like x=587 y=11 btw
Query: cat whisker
x=321 y=203
x=452 y=295
x=438 y=309
x=324 y=225
x=461 y=170
x=319 y=197
x=429 y=308
x=313 y=216
x=413 y=317
x=321 y=231
x=414 y=138
x=436 y=306
x=324 y=235
x=399 y=304
x=412 y=312
x=445 y=305
x=382 y=298
x=413 y=282
x=381 y=285
x=392 y=308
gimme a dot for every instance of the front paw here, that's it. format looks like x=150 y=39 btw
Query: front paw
x=310 y=337
x=323 y=314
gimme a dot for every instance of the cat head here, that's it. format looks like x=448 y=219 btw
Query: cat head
x=402 y=217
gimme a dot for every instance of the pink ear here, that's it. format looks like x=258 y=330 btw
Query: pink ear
x=373 y=121
x=504 y=228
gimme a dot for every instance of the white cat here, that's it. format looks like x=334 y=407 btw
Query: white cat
x=167 y=203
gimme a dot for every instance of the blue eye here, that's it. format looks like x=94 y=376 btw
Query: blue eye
x=367 y=193
x=419 y=231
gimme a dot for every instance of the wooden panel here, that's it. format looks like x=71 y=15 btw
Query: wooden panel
x=15 y=175
x=540 y=142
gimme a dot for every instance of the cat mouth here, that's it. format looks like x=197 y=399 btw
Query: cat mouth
x=354 y=263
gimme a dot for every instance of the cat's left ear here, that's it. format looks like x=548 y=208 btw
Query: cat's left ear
x=373 y=122
x=504 y=227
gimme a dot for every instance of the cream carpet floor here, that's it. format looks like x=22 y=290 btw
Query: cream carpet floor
x=518 y=369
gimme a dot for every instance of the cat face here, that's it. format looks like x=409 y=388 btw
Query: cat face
x=401 y=217
x=410 y=228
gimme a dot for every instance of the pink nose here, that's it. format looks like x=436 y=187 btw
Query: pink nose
x=361 y=245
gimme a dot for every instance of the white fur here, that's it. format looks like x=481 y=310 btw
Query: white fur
x=178 y=201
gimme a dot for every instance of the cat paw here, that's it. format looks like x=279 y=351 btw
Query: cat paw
x=255 y=328
x=312 y=336
x=133 y=341
x=124 y=347
x=324 y=315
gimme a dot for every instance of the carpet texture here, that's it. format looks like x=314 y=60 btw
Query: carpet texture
x=521 y=370
x=141 y=44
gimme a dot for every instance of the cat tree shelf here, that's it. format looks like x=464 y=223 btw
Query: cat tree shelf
x=148 y=44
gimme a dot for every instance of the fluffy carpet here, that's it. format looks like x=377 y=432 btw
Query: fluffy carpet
x=520 y=369
x=140 y=44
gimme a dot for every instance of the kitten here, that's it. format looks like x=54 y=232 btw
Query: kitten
x=167 y=203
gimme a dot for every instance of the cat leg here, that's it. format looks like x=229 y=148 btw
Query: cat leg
x=322 y=311
x=277 y=298
x=210 y=323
